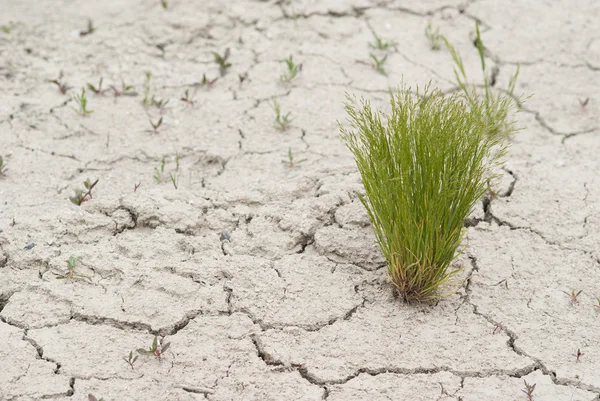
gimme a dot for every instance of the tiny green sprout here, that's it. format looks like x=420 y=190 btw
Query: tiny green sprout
x=282 y=121
x=434 y=37
x=187 y=98
x=156 y=349
x=83 y=195
x=159 y=171
x=160 y=104
x=147 y=79
x=71 y=272
x=131 y=359
x=598 y=301
x=90 y=29
x=164 y=4
x=81 y=100
x=156 y=125
x=378 y=63
x=574 y=295
x=92 y=398
x=222 y=61
x=126 y=90
x=292 y=70
x=3 y=168
x=62 y=86
x=97 y=90
x=529 y=388
x=173 y=179
x=177 y=159
x=291 y=162
x=242 y=77
x=208 y=82
x=381 y=44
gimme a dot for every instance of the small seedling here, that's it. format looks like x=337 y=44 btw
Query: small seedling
x=578 y=355
x=97 y=90
x=81 y=195
x=92 y=398
x=159 y=171
x=146 y=99
x=186 y=98
x=81 y=100
x=90 y=29
x=155 y=349
x=136 y=186
x=378 y=63
x=71 y=272
x=282 y=121
x=574 y=295
x=156 y=125
x=434 y=37
x=62 y=86
x=242 y=77
x=497 y=328
x=208 y=82
x=222 y=61
x=131 y=359
x=529 y=390
x=584 y=102
x=173 y=179
x=381 y=44
x=292 y=70
x=3 y=168
x=291 y=162
x=159 y=103
x=126 y=90
x=598 y=301
x=164 y=4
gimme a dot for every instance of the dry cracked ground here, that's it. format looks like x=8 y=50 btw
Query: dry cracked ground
x=264 y=275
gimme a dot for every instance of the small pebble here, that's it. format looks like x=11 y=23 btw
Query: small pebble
x=29 y=246
x=225 y=236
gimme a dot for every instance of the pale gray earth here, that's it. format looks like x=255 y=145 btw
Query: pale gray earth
x=292 y=303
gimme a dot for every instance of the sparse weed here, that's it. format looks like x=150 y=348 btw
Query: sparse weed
x=292 y=70
x=131 y=359
x=529 y=388
x=187 y=98
x=242 y=77
x=378 y=63
x=598 y=301
x=291 y=162
x=81 y=101
x=423 y=172
x=574 y=294
x=434 y=37
x=164 y=4
x=83 y=195
x=97 y=90
x=62 y=86
x=136 y=186
x=380 y=44
x=156 y=349
x=583 y=103
x=282 y=121
x=156 y=125
x=148 y=78
x=92 y=398
x=222 y=61
x=90 y=29
x=71 y=272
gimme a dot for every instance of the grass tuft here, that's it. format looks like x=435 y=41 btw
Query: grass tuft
x=423 y=170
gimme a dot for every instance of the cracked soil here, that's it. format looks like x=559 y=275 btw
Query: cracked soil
x=264 y=275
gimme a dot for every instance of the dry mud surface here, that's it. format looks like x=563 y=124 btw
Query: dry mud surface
x=292 y=303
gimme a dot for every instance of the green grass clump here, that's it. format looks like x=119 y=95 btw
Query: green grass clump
x=423 y=170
